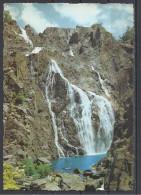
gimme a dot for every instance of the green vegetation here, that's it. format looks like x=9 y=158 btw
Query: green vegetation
x=128 y=36
x=7 y=17
x=20 y=97
x=8 y=181
x=43 y=170
x=29 y=168
x=36 y=171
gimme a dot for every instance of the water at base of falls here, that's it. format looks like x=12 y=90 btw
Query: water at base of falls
x=80 y=110
x=68 y=164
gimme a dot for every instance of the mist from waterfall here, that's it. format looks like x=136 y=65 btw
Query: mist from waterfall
x=92 y=140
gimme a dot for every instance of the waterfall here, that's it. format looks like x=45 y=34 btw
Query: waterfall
x=36 y=50
x=25 y=36
x=81 y=114
x=105 y=131
x=80 y=110
x=101 y=82
x=50 y=80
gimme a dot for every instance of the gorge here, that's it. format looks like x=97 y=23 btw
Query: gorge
x=69 y=92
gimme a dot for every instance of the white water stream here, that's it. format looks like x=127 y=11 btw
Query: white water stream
x=102 y=82
x=26 y=37
x=107 y=120
x=81 y=112
x=36 y=50
x=71 y=52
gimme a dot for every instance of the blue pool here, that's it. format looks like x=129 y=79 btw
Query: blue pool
x=83 y=162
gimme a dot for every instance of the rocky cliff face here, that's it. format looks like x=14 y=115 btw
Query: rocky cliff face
x=88 y=58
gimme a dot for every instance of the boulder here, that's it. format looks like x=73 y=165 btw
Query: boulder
x=88 y=173
x=71 y=182
x=92 y=185
x=10 y=159
x=93 y=175
x=19 y=179
x=51 y=187
x=38 y=184
x=7 y=157
x=25 y=186
x=21 y=154
x=78 y=171
x=43 y=161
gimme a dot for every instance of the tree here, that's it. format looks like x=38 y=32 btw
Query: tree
x=128 y=36
x=6 y=15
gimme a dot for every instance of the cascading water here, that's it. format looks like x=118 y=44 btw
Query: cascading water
x=50 y=80
x=101 y=82
x=80 y=110
x=81 y=114
x=25 y=36
x=105 y=131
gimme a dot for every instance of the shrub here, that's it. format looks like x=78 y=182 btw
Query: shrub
x=29 y=167
x=20 y=97
x=43 y=170
x=8 y=181
x=36 y=176
x=36 y=171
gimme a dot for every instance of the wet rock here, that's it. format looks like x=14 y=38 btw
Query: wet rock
x=88 y=173
x=97 y=175
x=78 y=171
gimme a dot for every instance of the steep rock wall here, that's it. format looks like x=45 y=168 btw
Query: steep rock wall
x=27 y=123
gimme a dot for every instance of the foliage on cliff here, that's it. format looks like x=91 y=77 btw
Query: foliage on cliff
x=8 y=181
x=20 y=97
x=7 y=17
x=128 y=36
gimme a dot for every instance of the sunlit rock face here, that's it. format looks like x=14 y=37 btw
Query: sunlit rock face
x=69 y=92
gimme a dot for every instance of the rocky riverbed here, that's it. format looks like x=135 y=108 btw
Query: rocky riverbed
x=61 y=181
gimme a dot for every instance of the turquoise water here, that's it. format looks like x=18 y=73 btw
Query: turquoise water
x=83 y=162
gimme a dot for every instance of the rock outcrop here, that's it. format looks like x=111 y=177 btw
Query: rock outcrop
x=85 y=55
